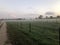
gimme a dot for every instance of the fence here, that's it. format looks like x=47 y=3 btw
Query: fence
x=38 y=26
x=35 y=31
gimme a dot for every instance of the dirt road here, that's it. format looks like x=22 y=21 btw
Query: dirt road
x=3 y=34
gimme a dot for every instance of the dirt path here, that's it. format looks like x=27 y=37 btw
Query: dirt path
x=3 y=34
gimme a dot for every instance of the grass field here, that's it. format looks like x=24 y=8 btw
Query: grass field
x=33 y=33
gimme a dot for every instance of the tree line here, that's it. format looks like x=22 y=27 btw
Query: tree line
x=50 y=17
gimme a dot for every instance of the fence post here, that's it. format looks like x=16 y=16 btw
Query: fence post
x=21 y=25
x=29 y=27
x=17 y=24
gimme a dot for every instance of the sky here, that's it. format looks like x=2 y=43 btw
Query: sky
x=27 y=8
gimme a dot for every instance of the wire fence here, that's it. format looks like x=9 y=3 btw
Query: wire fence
x=37 y=31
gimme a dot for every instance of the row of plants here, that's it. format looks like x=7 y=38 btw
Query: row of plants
x=33 y=33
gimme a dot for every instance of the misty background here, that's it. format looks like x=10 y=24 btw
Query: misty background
x=28 y=8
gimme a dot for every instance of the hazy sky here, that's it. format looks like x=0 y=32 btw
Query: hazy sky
x=27 y=8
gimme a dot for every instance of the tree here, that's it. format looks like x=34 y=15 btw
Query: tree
x=40 y=17
x=58 y=16
x=46 y=17
x=51 y=17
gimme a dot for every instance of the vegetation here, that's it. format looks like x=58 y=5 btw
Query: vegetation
x=33 y=33
x=40 y=17
x=1 y=25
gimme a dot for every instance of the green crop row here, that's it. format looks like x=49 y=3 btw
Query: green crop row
x=33 y=33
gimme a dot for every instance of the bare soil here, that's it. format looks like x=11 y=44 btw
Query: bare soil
x=3 y=35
